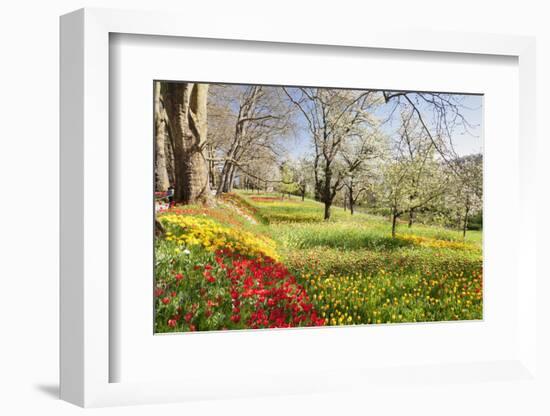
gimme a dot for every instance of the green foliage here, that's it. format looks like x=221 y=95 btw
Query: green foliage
x=475 y=222
x=289 y=183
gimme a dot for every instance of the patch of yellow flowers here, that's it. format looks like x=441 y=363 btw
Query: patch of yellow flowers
x=357 y=299
x=342 y=299
x=188 y=230
x=435 y=243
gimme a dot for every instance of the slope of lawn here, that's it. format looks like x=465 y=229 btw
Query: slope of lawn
x=357 y=273
x=257 y=260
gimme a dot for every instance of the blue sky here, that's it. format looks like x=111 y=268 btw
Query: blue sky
x=464 y=143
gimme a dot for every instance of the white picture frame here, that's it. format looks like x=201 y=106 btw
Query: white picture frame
x=85 y=356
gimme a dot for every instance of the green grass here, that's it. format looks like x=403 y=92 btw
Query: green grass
x=299 y=224
x=352 y=269
x=360 y=251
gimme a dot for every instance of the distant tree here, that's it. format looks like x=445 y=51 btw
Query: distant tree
x=332 y=117
x=221 y=128
x=295 y=176
x=401 y=196
x=358 y=154
x=413 y=178
x=303 y=175
x=465 y=196
x=288 y=184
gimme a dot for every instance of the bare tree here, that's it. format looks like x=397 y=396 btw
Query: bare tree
x=302 y=174
x=331 y=116
x=362 y=148
x=413 y=179
x=260 y=120
x=439 y=116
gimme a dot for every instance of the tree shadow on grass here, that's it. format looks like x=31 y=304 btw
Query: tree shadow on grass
x=366 y=242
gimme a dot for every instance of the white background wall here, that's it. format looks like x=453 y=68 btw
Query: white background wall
x=29 y=57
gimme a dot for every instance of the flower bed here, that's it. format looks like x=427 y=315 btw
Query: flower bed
x=187 y=230
x=436 y=243
x=225 y=290
x=395 y=297
x=216 y=269
x=218 y=214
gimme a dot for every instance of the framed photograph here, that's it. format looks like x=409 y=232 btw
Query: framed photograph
x=281 y=206
x=274 y=214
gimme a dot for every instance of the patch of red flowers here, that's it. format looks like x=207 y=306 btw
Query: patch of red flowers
x=233 y=291
x=267 y=290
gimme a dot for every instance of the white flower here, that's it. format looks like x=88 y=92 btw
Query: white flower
x=186 y=251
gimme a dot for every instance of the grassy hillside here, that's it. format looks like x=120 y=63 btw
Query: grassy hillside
x=348 y=270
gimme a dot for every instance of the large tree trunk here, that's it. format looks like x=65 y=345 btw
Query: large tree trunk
x=231 y=178
x=211 y=171
x=318 y=187
x=327 y=209
x=186 y=110
x=225 y=184
x=318 y=194
x=224 y=177
x=162 y=181
x=170 y=164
